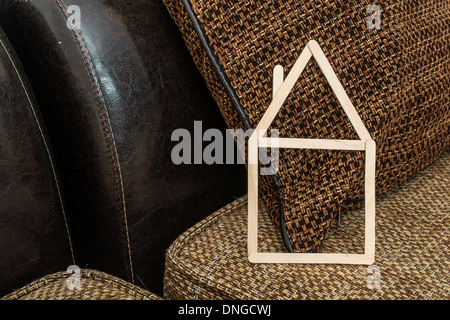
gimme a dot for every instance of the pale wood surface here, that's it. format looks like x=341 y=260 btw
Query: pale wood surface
x=278 y=76
x=369 y=189
x=253 y=195
x=296 y=143
x=312 y=258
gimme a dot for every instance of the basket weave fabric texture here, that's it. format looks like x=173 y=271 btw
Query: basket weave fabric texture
x=397 y=77
x=95 y=285
x=209 y=261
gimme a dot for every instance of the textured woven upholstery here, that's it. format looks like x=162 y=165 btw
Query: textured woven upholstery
x=209 y=261
x=397 y=77
x=95 y=285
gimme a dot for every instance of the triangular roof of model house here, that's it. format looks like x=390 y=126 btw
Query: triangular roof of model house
x=282 y=88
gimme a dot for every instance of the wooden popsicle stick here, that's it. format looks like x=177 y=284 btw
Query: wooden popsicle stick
x=278 y=76
x=252 y=240
x=296 y=143
x=313 y=258
x=369 y=190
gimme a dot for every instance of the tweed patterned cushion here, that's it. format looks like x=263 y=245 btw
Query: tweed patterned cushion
x=397 y=77
x=95 y=285
x=209 y=261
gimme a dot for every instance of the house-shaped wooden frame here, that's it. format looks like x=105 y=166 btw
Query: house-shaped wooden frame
x=281 y=89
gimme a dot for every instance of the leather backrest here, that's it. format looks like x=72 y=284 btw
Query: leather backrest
x=34 y=235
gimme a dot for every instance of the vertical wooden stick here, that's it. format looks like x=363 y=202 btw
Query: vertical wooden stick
x=278 y=76
x=253 y=194
x=369 y=186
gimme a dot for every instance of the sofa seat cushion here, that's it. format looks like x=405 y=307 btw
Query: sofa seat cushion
x=209 y=261
x=94 y=285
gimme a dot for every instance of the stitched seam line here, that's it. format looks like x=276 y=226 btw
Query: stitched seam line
x=46 y=147
x=110 y=136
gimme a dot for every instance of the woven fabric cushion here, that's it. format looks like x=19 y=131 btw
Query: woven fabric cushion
x=209 y=261
x=95 y=285
x=397 y=77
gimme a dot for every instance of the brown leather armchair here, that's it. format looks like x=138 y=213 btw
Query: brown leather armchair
x=112 y=87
